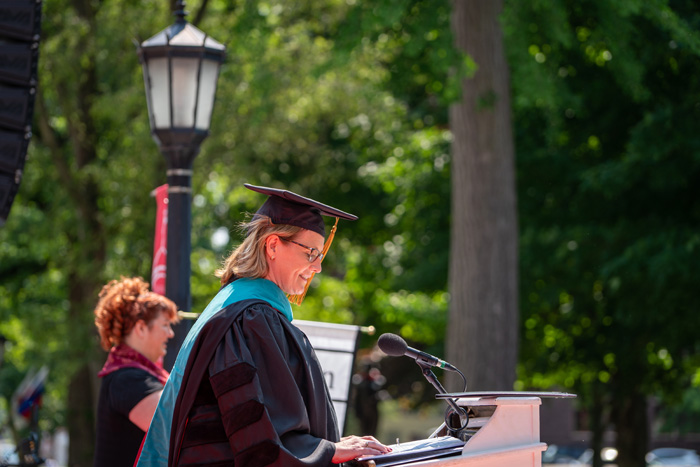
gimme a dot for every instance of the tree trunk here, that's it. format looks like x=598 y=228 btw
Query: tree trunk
x=482 y=336
x=629 y=415
x=11 y=420
x=84 y=385
x=597 y=425
x=81 y=418
x=85 y=264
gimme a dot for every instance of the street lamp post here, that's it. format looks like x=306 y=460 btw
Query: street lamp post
x=180 y=70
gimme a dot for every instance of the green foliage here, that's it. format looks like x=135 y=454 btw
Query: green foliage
x=684 y=417
x=606 y=102
x=345 y=114
x=318 y=113
x=346 y=101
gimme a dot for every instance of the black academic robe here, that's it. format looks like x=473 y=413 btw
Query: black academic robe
x=253 y=394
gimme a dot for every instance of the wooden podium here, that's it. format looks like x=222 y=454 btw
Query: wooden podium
x=504 y=429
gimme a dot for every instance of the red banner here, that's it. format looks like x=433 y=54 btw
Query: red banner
x=160 y=243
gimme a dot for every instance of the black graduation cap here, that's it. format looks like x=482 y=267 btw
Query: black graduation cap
x=285 y=207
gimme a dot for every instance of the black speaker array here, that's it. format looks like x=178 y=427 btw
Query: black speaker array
x=20 y=27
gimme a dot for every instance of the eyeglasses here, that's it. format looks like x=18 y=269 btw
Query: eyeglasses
x=313 y=253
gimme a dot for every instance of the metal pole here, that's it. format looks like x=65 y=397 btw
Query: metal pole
x=177 y=279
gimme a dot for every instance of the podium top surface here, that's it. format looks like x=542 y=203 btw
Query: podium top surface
x=502 y=394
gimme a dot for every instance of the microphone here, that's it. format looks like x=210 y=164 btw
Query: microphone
x=394 y=345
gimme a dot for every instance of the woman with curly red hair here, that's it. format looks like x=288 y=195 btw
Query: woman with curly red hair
x=134 y=325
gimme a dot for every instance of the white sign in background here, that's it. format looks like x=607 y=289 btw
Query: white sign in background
x=335 y=346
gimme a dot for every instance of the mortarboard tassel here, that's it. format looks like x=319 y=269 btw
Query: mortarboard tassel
x=297 y=299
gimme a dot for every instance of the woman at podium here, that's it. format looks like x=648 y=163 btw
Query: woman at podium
x=247 y=388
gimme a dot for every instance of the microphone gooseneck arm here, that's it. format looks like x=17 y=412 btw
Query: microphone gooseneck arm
x=432 y=379
x=459 y=411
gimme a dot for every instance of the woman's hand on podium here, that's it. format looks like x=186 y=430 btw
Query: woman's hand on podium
x=351 y=447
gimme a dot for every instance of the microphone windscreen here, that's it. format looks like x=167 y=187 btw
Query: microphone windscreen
x=391 y=344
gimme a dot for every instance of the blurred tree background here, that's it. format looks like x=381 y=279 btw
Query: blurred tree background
x=607 y=104
x=347 y=101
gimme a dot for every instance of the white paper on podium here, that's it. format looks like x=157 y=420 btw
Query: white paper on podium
x=335 y=346
x=416 y=450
